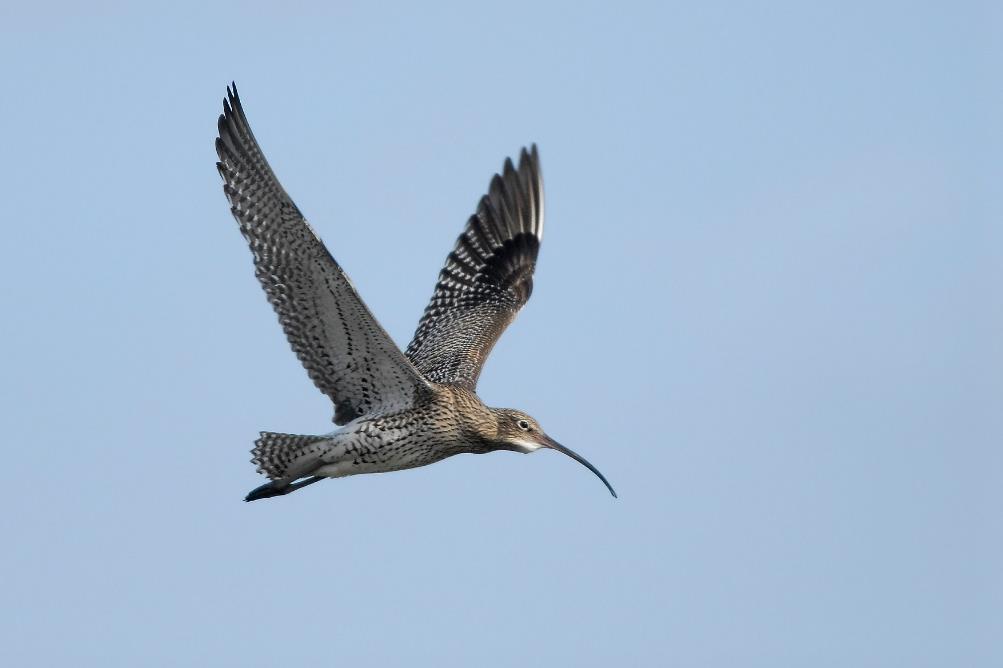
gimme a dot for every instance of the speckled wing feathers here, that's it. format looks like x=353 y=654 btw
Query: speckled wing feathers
x=486 y=279
x=346 y=352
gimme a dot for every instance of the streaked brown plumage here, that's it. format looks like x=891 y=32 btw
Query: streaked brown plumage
x=398 y=410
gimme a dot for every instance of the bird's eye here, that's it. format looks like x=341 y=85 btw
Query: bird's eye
x=523 y=425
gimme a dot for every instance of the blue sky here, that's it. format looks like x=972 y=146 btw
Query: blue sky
x=768 y=308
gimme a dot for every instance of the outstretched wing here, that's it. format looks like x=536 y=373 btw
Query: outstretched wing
x=348 y=355
x=486 y=279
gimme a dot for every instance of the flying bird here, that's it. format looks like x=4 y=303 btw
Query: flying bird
x=397 y=410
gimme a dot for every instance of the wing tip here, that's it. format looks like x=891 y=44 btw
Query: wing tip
x=232 y=123
x=232 y=97
x=530 y=178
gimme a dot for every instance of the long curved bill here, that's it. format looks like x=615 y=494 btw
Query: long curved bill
x=554 y=445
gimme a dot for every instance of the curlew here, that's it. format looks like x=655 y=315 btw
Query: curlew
x=396 y=410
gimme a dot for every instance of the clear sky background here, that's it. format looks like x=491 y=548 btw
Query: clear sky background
x=768 y=308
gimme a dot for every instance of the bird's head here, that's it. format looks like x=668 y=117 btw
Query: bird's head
x=521 y=433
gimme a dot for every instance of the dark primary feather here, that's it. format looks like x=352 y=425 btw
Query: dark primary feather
x=486 y=279
x=346 y=352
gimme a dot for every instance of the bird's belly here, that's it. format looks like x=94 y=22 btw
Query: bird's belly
x=383 y=451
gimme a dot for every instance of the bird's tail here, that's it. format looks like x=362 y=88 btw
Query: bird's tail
x=277 y=455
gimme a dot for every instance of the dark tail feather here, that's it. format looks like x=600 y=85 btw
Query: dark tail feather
x=274 y=453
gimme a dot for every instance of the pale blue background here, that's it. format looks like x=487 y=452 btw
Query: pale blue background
x=768 y=307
